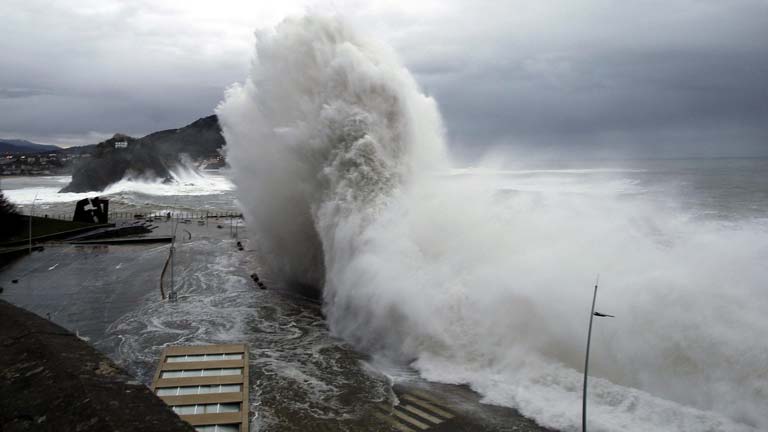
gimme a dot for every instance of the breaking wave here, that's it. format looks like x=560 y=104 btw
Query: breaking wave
x=341 y=168
x=186 y=182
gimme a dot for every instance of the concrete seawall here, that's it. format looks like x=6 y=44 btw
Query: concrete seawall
x=50 y=380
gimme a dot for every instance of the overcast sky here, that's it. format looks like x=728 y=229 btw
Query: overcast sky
x=598 y=78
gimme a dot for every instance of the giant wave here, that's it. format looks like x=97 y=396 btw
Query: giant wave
x=341 y=168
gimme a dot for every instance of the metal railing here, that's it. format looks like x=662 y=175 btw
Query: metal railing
x=157 y=215
x=175 y=215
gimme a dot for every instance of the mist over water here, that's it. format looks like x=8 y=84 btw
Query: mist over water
x=482 y=277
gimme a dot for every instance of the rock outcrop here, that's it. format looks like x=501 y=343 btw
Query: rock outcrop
x=151 y=157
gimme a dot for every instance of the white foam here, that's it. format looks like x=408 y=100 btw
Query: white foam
x=483 y=171
x=186 y=183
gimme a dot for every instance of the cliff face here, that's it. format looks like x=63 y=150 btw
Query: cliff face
x=152 y=156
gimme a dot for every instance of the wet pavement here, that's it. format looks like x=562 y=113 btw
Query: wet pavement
x=302 y=378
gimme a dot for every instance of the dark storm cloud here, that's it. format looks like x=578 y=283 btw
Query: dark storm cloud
x=14 y=93
x=637 y=95
x=685 y=81
x=76 y=76
x=106 y=112
x=562 y=79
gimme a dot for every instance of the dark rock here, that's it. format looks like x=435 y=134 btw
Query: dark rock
x=150 y=157
x=256 y=279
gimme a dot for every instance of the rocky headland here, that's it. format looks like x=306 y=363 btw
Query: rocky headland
x=150 y=157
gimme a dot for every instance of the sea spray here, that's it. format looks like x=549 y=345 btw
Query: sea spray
x=341 y=169
x=325 y=128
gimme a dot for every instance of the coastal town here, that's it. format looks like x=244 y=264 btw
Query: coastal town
x=63 y=162
x=34 y=164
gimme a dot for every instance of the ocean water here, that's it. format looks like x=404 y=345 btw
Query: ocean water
x=709 y=190
x=651 y=367
x=724 y=190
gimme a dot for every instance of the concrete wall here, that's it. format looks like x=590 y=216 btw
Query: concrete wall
x=50 y=380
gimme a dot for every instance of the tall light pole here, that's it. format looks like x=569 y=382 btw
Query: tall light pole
x=31 y=212
x=172 y=296
x=592 y=315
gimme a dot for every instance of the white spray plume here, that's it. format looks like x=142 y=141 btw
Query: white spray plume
x=326 y=123
x=341 y=169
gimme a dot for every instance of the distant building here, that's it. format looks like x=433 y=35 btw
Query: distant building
x=121 y=144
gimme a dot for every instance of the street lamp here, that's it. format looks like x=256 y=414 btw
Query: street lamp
x=31 y=212
x=592 y=315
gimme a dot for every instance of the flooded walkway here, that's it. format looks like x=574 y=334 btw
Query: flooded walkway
x=52 y=380
x=302 y=378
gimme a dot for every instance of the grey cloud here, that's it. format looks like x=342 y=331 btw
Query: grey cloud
x=14 y=93
x=695 y=86
x=107 y=112
x=651 y=77
x=67 y=73
x=640 y=93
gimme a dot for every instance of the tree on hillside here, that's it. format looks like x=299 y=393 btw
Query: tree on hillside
x=9 y=218
x=6 y=207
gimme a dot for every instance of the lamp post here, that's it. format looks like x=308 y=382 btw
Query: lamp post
x=31 y=212
x=172 y=296
x=592 y=315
